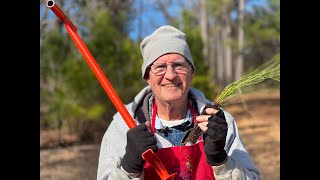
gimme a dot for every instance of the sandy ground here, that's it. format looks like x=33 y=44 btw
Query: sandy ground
x=259 y=128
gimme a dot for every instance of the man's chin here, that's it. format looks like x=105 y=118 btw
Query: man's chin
x=172 y=99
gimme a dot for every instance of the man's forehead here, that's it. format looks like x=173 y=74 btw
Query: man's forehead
x=171 y=57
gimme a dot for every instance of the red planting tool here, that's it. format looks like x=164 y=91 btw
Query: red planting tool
x=148 y=155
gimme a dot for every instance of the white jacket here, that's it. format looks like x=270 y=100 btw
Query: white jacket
x=238 y=165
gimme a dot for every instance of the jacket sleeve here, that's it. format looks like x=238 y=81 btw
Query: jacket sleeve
x=238 y=164
x=112 y=150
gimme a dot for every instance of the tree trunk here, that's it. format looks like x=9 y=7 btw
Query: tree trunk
x=239 y=60
x=220 y=61
x=204 y=28
x=226 y=35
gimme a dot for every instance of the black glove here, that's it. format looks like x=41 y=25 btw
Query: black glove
x=215 y=139
x=139 y=139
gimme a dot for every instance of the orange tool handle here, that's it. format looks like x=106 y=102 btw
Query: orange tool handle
x=148 y=155
x=72 y=30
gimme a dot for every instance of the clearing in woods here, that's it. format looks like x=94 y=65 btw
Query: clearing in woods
x=259 y=128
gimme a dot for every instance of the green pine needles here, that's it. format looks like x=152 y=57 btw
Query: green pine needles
x=268 y=70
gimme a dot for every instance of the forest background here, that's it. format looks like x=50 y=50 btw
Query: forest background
x=227 y=39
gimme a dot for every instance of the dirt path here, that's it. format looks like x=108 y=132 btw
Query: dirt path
x=77 y=162
x=260 y=131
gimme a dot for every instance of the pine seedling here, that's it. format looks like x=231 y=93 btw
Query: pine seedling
x=268 y=70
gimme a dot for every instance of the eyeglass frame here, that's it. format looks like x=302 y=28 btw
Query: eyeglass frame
x=189 y=67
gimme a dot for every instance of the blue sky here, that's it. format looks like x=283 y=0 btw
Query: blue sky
x=153 y=18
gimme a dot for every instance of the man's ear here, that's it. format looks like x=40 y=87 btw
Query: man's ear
x=147 y=74
x=146 y=77
x=193 y=73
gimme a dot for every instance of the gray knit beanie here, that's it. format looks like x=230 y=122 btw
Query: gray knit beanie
x=164 y=40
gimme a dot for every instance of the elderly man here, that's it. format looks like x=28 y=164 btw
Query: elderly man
x=165 y=112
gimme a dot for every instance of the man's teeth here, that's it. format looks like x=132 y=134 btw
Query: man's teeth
x=169 y=85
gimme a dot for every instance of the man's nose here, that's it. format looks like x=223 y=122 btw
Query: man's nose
x=170 y=73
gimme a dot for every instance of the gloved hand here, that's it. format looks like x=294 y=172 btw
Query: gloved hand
x=139 y=139
x=215 y=138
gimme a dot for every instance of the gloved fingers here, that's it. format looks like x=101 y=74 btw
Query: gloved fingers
x=221 y=127
x=153 y=147
x=215 y=136
x=143 y=135
x=217 y=132
x=218 y=120
x=138 y=136
x=203 y=126
x=140 y=127
x=211 y=111
x=149 y=141
x=141 y=145
x=220 y=114
x=203 y=118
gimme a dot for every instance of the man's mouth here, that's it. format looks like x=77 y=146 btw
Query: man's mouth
x=169 y=85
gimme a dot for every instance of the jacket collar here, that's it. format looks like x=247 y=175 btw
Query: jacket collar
x=140 y=105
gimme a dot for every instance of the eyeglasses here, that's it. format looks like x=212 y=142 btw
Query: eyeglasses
x=178 y=67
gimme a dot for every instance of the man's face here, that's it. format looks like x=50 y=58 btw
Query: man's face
x=173 y=84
